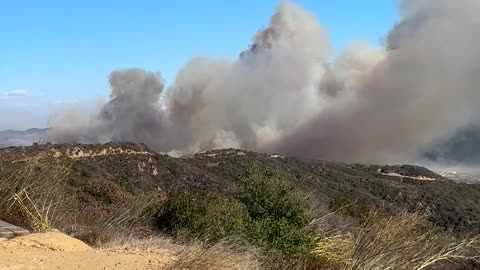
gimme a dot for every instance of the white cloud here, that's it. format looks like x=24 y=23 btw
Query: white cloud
x=15 y=93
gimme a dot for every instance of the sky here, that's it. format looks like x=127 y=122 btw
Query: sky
x=55 y=53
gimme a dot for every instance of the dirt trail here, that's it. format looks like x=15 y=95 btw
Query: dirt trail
x=58 y=251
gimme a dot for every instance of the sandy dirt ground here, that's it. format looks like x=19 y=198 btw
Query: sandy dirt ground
x=58 y=251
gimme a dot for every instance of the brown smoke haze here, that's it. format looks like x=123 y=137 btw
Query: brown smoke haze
x=284 y=95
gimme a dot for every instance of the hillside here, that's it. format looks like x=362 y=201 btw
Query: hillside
x=98 y=193
x=101 y=176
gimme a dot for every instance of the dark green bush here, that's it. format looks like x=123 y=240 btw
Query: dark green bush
x=203 y=215
x=278 y=213
x=263 y=208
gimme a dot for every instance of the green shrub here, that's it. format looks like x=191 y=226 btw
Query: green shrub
x=279 y=215
x=203 y=215
x=262 y=208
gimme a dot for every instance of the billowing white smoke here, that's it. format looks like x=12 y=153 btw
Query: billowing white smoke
x=283 y=95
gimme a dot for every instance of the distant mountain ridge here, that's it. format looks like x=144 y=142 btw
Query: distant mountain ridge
x=462 y=148
x=22 y=137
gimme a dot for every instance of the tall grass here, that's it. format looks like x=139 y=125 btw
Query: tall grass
x=404 y=242
x=33 y=196
x=129 y=220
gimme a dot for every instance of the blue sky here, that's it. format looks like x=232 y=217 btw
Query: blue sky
x=55 y=52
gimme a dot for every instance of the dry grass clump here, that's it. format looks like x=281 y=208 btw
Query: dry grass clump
x=38 y=217
x=221 y=256
x=335 y=251
x=403 y=242
x=128 y=220
x=33 y=196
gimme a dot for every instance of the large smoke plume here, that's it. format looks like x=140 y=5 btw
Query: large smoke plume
x=283 y=94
